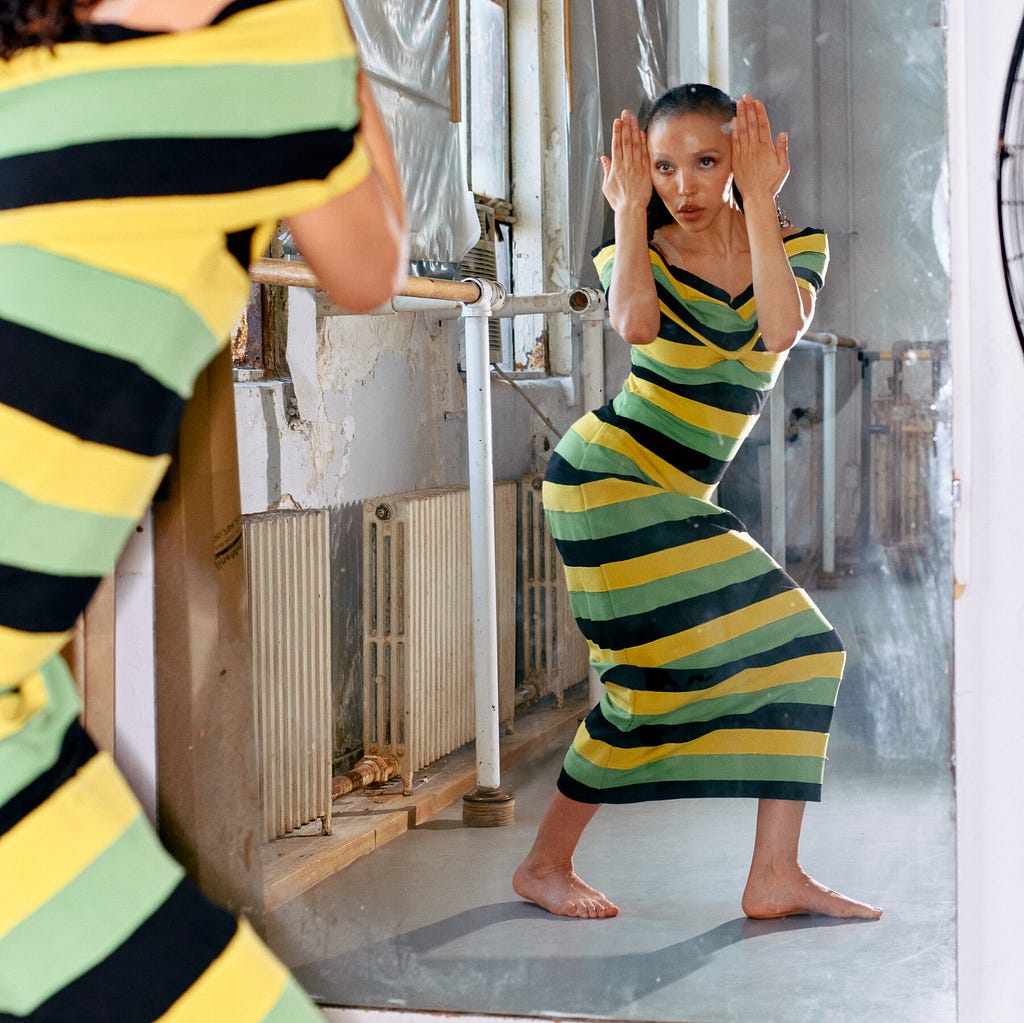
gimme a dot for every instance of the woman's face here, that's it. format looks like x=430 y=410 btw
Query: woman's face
x=691 y=166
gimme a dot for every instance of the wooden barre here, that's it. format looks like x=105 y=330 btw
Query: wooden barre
x=293 y=273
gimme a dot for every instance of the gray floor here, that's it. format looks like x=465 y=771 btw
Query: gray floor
x=430 y=922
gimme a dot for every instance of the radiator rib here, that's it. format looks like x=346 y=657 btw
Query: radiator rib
x=287 y=557
x=418 y=696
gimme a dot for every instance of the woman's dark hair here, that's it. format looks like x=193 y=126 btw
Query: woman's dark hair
x=692 y=98
x=28 y=23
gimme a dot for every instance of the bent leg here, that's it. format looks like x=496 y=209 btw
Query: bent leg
x=777 y=885
x=547 y=877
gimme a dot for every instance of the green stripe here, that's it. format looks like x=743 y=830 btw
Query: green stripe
x=34 y=748
x=730 y=371
x=106 y=312
x=627 y=515
x=88 y=919
x=47 y=538
x=698 y=582
x=700 y=767
x=170 y=102
x=816 y=691
x=592 y=456
x=707 y=442
x=293 y=1006
x=711 y=314
x=767 y=637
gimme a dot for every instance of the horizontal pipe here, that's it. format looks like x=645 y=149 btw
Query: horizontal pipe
x=827 y=338
x=293 y=273
x=431 y=295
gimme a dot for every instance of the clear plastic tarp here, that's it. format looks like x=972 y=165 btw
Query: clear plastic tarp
x=405 y=49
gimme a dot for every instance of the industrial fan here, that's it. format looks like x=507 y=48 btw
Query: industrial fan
x=1010 y=185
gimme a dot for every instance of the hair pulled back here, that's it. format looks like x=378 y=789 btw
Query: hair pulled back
x=28 y=23
x=691 y=98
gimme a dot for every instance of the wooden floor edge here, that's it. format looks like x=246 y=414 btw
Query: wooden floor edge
x=361 y=824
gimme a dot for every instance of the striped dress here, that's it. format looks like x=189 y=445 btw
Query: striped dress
x=140 y=173
x=720 y=675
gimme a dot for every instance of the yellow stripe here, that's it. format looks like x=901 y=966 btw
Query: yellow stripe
x=21 y=653
x=17 y=708
x=808 y=243
x=58 y=468
x=595 y=494
x=691 y=641
x=741 y=741
x=752 y=680
x=59 y=839
x=704 y=417
x=593 y=431
x=243 y=983
x=300 y=31
x=663 y=564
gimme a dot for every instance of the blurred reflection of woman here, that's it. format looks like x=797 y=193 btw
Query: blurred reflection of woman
x=720 y=674
x=147 y=151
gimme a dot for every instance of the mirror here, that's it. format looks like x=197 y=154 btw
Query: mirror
x=429 y=921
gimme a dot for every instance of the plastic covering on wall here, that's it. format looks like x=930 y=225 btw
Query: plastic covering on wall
x=618 y=61
x=405 y=49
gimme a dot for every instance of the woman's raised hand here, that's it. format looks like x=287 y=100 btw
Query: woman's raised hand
x=760 y=165
x=627 y=173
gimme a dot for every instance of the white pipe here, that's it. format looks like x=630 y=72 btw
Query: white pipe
x=481 y=511
x=777 y=450
x=828 y=455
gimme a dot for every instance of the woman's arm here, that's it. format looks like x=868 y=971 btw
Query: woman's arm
x=632 y=298
x=760 y=169
x=356 y=243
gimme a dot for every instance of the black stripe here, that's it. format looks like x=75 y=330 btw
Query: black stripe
x=144 y=977
x=239 y=244
x=697 y=464
x=172 y=166
x=89 y=394
x=799 y=717
x=731 y=340
x=648 y=626
x=651 y=539
x=810 y=276
x=561 y=470
x=76 y=750
x=802 y=791
x=678 y=680
x=727 y=397
x=40 y=602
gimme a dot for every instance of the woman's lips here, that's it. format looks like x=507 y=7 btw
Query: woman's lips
x=690 y=212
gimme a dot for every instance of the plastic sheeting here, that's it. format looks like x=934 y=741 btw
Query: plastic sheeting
x=618 y=60
x=405 y=49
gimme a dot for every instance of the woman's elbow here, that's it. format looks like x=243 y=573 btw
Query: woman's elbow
x=636 y=330
x=363 y=285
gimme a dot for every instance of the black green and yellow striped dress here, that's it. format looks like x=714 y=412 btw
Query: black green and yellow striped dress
x=720 y=675
x=140 y=173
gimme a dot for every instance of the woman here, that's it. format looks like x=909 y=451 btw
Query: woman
x=147 y=151
x=720 y=674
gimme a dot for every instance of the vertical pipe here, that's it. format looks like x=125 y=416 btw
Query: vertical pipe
x=828 y=469
x=487 y=805
x=481 y=524
x=777 y=449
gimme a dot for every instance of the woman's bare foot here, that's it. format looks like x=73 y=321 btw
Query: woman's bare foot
x=560 y=891
x=771 y=894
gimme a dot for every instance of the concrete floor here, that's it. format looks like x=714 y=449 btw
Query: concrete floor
x=430 y=922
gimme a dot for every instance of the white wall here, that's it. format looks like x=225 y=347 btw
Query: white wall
x=989 y=557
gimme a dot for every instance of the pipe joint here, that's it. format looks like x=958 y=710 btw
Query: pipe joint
x=587 y=303
x=493 y=296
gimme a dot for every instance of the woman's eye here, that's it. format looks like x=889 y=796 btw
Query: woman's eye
x=707 y=161
x=663 y=168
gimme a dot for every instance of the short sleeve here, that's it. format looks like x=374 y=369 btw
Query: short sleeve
x=808 y=256
x=604 y=260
